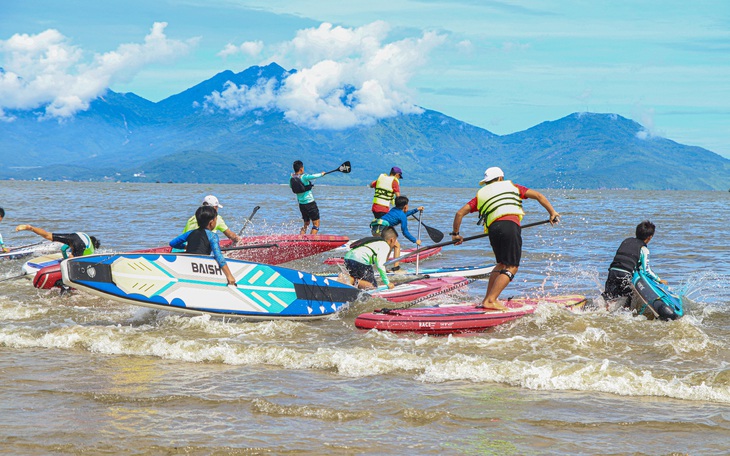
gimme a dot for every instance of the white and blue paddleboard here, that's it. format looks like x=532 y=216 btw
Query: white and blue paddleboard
x=195 y=284
x=471 y=272
x=32 y=266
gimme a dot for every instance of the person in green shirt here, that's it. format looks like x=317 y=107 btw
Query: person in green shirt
x=221 y=226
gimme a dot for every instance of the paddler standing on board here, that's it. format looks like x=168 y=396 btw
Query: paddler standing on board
x=499 y=203
x=220 y=225
x=81 y=244
x=387 y=187
x=301 y=184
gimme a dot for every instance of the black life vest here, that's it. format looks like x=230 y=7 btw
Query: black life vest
x=627 y=255
x=297 y=186
x=198 y=242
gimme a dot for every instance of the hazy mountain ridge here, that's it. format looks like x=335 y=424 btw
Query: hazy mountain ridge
x=126 y=137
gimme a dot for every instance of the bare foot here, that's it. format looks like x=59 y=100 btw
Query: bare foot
x=492 y=306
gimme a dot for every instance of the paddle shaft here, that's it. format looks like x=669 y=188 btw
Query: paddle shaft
x=26 y=246
x=12 y=278
x=252 y=246
x=442 y=244
x=255 y=209
x=419 y=237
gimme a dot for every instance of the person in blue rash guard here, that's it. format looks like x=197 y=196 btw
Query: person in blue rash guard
x=203 y=241
x=396 y=216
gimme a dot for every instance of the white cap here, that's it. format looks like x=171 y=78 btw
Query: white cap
x=211 y=200
x=491 y=174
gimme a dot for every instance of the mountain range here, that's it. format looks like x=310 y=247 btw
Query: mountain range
x=124 y=137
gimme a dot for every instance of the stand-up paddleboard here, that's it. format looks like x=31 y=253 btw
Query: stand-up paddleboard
x=654 y=300
x=32 y=249
x=421 y=289
x=289 y=247
x=195 y=284
x=461 y=318
x=470 y=272
x=424 y=255
x=32 y=266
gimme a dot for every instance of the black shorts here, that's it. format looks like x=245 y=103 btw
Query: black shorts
x=505 y=237
x=377 y=214
x=361 y=271
x=310 y=211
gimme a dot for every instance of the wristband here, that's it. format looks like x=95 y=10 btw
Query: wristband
x=454 y=233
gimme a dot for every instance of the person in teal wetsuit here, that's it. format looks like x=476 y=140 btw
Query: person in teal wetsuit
x=80 y=244
x=2 y=243
x=301 y=184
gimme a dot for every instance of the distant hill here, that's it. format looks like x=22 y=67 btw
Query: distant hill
x=124 y=137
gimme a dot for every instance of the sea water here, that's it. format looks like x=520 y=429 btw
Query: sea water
x=81 y=374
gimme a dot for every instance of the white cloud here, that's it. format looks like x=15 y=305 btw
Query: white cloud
x=47 y=70
x=252 y=48
x=346 y=77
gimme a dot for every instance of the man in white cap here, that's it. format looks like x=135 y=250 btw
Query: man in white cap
x=221 y=226
x=499 y=203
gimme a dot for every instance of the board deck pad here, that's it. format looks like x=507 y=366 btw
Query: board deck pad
x=459 y=318
x=195 y=284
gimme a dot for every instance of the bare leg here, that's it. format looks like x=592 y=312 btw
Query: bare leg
x=497 y=283
x=304 y=228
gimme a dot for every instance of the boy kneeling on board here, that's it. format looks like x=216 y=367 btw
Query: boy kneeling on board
x=203 y=241
x=365 y=253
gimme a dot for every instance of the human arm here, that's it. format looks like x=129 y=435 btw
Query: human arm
x=381 y=256
x=180 y=241
x=39 y=231
x=396 y=187
x=215 y=248
x=231 y=235
x=645 y=268
x=227 y=271
x=534 y=194
x=404 y=228
x=460 y=214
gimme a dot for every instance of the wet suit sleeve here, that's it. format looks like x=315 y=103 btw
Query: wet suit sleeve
x=70 y=241
x=644 y=265
x=404 y=227
x=306 y=178
x=180 y=241
x=215 y=248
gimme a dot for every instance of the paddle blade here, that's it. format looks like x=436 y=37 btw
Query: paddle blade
x=345 y=168
x=434 y=234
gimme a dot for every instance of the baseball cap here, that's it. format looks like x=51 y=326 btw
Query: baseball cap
x=491 y=174
x=211 y=200
x=396 y=170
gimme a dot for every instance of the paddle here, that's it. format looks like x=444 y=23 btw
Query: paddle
x=442 y=244
x=433 y=233
x=419 y=237
x=26 y=246
x=251 y=246
x=255 y=209
x=13 y=277
x=343 y=168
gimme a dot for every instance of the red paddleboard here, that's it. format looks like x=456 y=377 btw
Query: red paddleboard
x=289 y=247
x=425 y=254
x=462 y=318
x=421 y=289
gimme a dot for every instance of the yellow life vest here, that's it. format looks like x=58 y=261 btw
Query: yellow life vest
x=384 y=193
x=498 y=199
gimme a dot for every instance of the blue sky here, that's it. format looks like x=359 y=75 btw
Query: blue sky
x=501 y=65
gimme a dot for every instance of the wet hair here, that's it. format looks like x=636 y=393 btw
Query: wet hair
x=204 y=215
x=401 y=201
x=2 y=212
x=645 y=230
x=298 y=165
x=95 y=242
x=389 y=233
